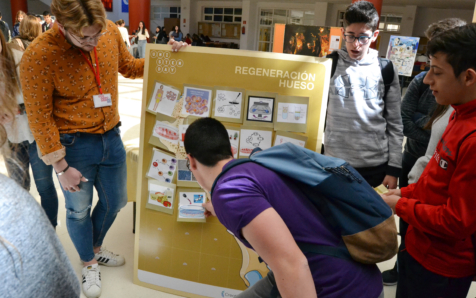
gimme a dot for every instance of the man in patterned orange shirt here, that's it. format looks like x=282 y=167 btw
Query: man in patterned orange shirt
x=69 y=77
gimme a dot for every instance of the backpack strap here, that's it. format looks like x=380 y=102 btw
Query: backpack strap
x=388 y=74
x=228 y=167
x=335 y=57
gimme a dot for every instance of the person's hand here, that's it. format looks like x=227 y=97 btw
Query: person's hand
x=70 y=180
x=177 y=45
x=209 y=209
x=394 y=192
x=391 y=201
x=390 y=182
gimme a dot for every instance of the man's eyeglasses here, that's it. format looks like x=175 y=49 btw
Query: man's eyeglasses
x=188 y=164
x=89 y=39
x=364 y=39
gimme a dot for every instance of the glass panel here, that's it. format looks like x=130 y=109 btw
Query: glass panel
x=228 y=19
x=266 y=12
x=238 y=11
x=265 y=34
x=264 y=47
x=394 y=28
x=397 y=20
x=157 y=16
x=280 y=16
x=296 y=14
x=173 y=9
x=179 y=9
x=208 y=18
x=208 y=10
x=156 y=9
x=383 y=18
x=280 y=12
x=228 y=10
x=165 y=9
x=173 y=15
x=217 y=18
x=381 y=26
x=266 y=21
x=341 y=15
x=237 y=19
x=218 y=10
x=294 y=21
x=165 y=15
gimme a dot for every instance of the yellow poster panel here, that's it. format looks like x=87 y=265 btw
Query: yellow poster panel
x=202 y=259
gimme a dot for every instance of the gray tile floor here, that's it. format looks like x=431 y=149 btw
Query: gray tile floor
x=117 y=282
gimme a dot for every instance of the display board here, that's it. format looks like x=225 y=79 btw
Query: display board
x=176 y=249
x=402 y=52
x=314 y=41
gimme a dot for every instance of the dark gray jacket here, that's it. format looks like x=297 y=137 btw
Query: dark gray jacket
x=417 y=107
x=33 y=260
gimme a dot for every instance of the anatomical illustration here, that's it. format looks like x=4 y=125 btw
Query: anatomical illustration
x=163 y=167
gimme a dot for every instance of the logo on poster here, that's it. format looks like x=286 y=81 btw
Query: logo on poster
x=164 y=63
x=225 y=294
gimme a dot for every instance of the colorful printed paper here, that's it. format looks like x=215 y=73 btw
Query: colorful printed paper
x=164 y=99
x=162 y=167
x=161 y=195
x=292 y=113
x=402 y=52
x=197 y=102
x=234 y=135
x=190 y=205
x=166 y=132
x=260 y=109
x=282 y=139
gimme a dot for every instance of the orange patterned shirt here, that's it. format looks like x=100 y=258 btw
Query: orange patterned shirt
x=58 y=87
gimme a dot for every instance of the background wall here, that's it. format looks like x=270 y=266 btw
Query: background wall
x=426 y=16
x=5 y=9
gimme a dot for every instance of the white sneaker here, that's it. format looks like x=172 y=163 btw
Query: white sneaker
x=91 y=281
x=108 y=258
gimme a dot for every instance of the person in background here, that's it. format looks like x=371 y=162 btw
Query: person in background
x=4 y=28
x=29 y=30
x=438 y=259
x=125 y=35
x=38 y=19
x=165 y=39
x=188 y=39
x=73 y=114
x=418 y=105
x=177 y=34
x=142 y=35
x=155 y=36
x=16 y=28
x=48 y=24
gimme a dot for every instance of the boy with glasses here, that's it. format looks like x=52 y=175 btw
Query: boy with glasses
x=70 y=82
x=364 y=127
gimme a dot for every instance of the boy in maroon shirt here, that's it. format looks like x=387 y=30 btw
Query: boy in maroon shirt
x=439 y=258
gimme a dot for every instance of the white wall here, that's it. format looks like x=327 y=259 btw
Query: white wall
x=427 y=16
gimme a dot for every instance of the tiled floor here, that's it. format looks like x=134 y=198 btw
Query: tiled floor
x=117 y=282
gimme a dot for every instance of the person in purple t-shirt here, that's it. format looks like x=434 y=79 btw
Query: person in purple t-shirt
x=269 y=213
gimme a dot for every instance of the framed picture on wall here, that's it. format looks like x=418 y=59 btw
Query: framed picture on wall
x=260 y=108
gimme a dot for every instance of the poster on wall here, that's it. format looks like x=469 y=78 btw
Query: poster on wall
x=402 y=52
x=228 y=104
x=307 y=40
x=125 y=5
x=107 y=4
x=162 y=166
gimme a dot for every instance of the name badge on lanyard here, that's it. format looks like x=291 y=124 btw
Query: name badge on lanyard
x=101 y=100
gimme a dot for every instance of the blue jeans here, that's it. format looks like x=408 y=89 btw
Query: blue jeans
x=43 y=175
x=101 y=159
x=141 y=45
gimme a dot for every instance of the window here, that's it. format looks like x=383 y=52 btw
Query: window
x=159 y=13
x=269 y=17
x=390 y=23
x=217 y=14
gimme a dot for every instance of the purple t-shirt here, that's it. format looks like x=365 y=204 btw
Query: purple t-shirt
x=246 y=190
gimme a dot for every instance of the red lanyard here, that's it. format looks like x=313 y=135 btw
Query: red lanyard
x=96 y=73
